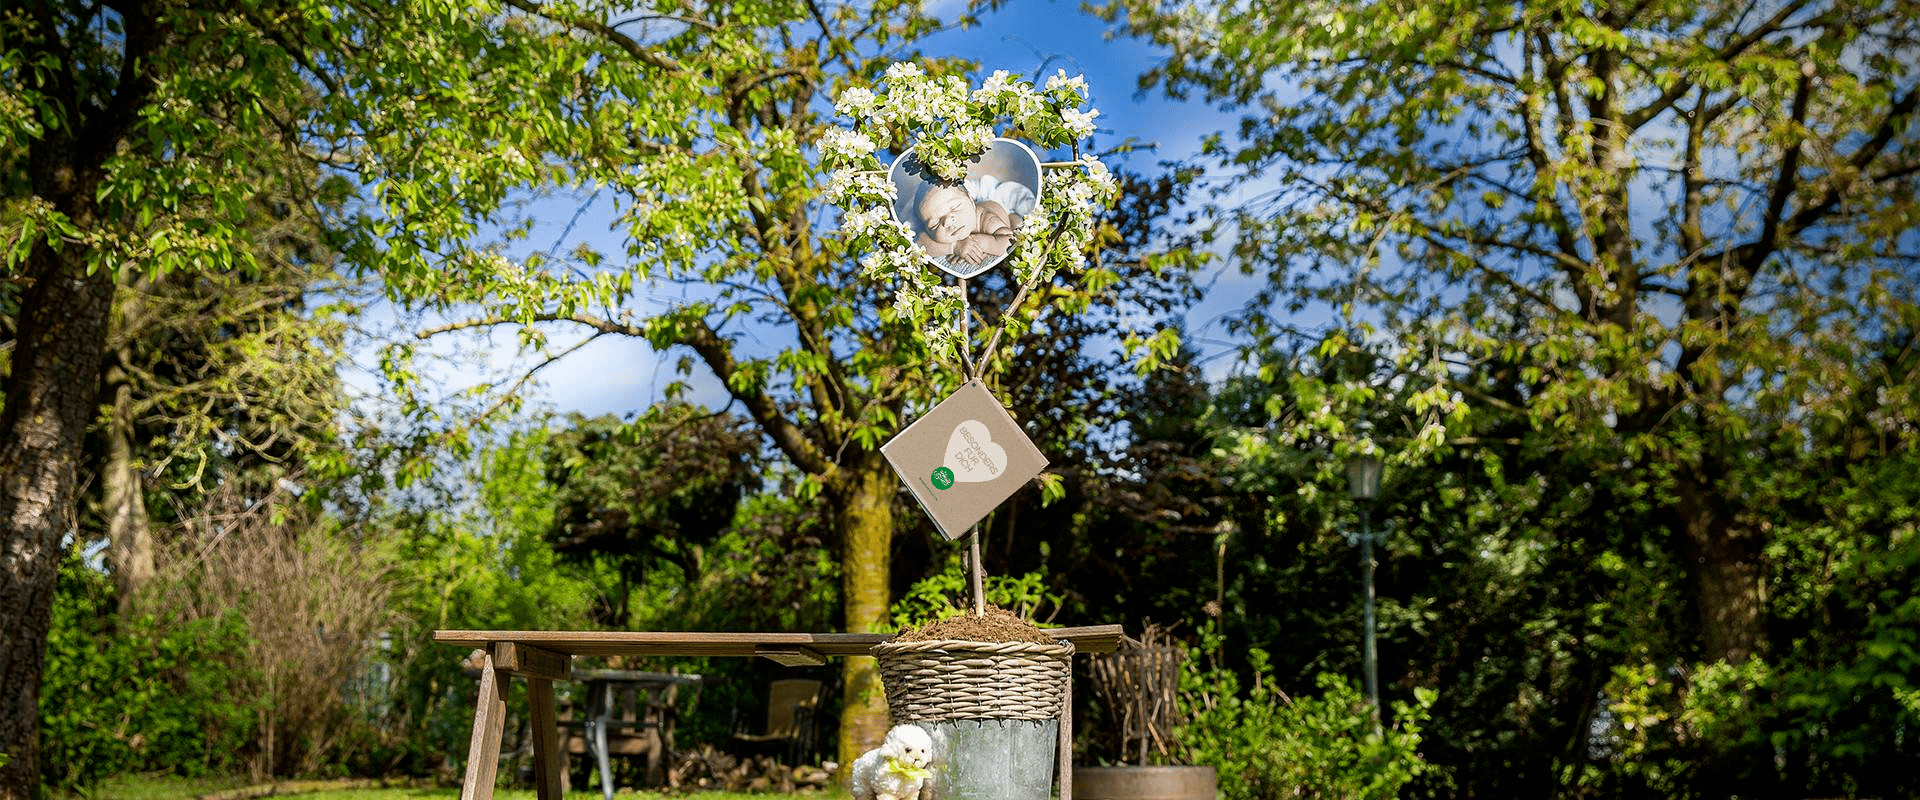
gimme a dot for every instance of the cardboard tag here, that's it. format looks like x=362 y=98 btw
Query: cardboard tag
x=964 y=458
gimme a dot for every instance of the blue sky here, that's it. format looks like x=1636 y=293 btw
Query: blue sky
x=1027 y=37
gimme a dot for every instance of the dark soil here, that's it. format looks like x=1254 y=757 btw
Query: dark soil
x=998 y=625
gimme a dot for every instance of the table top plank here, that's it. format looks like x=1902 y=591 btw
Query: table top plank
x=1086 y=639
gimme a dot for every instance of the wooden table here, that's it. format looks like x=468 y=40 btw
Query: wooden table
x=542 y=657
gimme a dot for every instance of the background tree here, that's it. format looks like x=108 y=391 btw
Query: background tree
x=467 y=549
x=652 y=494
x=1662 y=242
x=213 y=377
x=104 y=147
x=133 y=140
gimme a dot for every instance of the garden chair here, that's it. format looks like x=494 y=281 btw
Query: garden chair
x=792 y=704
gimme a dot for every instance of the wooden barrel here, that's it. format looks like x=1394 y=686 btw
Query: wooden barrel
x=1145 y=783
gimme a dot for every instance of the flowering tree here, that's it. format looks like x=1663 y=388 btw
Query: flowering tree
x=949 y=123
x=714 y=147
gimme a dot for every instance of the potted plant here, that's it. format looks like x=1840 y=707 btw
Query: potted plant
x=1139 y=687
x=990 y=689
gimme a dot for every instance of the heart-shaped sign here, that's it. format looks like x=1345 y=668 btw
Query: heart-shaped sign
x=963 y=458
x=968 y=226
x=971 y=456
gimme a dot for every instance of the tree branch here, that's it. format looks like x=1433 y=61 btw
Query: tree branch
x=1727 y=52
x=1752 y=253
x=1788 y=177
x=603 y=31
x=718 y=354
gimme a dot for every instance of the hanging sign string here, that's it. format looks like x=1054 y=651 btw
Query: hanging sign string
x=966 y=334
x=976 y=367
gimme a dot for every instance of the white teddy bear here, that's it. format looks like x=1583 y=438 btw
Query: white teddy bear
x=897 y=769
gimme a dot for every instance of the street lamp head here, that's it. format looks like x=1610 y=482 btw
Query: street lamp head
x=1363 y=477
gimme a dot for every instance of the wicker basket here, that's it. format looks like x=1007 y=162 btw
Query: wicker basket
x=949 y=679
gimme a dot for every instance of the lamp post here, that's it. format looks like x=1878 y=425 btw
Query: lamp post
x=1363 y=484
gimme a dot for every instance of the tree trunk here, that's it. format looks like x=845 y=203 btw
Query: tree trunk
x=66 y=314
x=863 y=498
x=64 y=318
x=1729 y=590
x=1724 y=564
x=129 y=530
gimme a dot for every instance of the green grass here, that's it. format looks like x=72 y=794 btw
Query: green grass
x=142 y=787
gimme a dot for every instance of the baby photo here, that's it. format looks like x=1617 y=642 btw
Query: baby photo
x=968 y=227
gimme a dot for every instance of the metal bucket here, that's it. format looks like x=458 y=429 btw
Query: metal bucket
x=993 y=710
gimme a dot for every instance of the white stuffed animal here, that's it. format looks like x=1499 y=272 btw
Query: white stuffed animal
x=897 y=769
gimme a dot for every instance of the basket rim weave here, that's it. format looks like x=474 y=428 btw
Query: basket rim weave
x=895 y=646
x=950 y=679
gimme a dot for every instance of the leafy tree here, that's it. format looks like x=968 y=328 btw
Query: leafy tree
x=211 y=377
x=1667 y=245
x=117 y=123
x=711 y=128
x=136 y=136
x=655 y=493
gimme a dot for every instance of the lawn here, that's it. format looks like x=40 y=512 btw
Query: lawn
x=140 y=787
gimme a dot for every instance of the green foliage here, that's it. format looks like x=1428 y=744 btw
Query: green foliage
x=143 y=694
x=947 y=594
x=1619 y=291
x=1266 y=744
x=480 y=564
x=135 y=141
x=770 y=570
x=1834 y=703
x=646 y=496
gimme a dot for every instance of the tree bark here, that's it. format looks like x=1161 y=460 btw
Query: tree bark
x=129 y=530
x=64 y=320
x=66 y=314
x=1724 y=564
x=863 y=493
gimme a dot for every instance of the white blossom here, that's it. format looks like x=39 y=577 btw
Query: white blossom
x=995 y=85
x=974 y=138
x=1101 y=178
x=863 y=185
x=1078 y=196
x=856 y=101
x=884 y=264
x=1079 y=123
x=951 y=123
x=1059 y=80
x=861 y=223
x=841 y=143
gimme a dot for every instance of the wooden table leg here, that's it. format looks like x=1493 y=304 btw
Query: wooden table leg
x=548 y=773
x=1065 y=767
x=489 y=719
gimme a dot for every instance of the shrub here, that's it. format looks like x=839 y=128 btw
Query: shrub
x=314 y=604
x=1266 y=744
x=125 y=694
